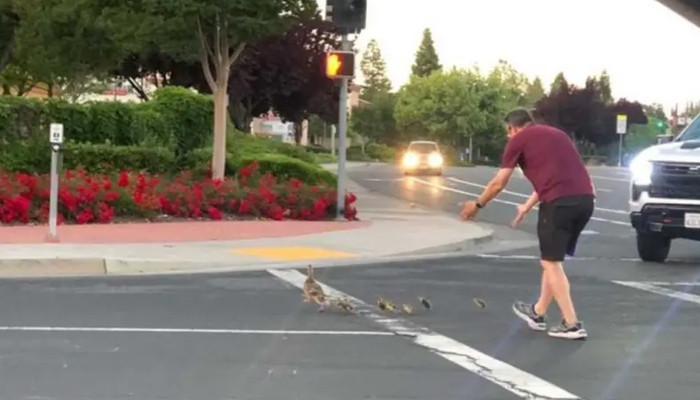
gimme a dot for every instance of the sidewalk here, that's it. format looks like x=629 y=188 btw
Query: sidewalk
x=388 y=228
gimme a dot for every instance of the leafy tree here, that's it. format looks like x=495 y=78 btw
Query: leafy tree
x=559 y=84
x=535 y=91
x=601 y=86
x=375 y=121
x=215 y=33
x=289 y=70
x=9 y=22
x=443 y=107
x=426 y=57
x=510 y=83
x=373 y=69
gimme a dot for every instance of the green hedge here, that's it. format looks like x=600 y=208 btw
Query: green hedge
x=241 y=144
x=97 y=158
x=175 y=118
x=285 y=167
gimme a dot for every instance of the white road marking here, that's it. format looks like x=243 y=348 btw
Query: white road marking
x=588 y=232
x=527 y=196
x=605 y=178
x=653 y=288
x=384 y=180
x=179 y=330
x=610 y=221
x=603 y=190
x=516 y=381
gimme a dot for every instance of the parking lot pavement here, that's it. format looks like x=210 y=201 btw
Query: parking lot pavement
x=249 y=336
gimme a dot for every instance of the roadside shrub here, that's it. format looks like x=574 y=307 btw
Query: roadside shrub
x=35 y=158
x=381 y=152
x=285 y=167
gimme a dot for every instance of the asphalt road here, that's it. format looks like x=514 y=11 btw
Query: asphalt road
x=249 y=336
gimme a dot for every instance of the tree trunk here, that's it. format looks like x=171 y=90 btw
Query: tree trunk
x=219 y=156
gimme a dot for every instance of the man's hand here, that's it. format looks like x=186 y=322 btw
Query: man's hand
x=521 y=213
x=469 y=210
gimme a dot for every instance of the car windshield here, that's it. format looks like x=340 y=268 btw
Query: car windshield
x=423 y=147
x=692 y=132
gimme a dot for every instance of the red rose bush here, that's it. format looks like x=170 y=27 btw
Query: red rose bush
x=88 y=198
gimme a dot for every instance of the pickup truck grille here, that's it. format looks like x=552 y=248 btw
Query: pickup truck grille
x=675 y=181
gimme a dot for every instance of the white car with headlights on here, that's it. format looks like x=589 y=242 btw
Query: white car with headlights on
x=665 y=194
x=422 y=156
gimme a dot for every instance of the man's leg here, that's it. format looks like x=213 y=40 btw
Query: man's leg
x=546 y=296
x=570 y=222
x=531 y=313
x=560 y=289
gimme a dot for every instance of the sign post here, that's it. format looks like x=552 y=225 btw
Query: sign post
x=56 y=141
x=621 y=131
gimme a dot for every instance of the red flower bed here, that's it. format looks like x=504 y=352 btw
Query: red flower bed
x=85 y=198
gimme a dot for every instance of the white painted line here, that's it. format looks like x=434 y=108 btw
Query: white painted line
x=516 y=381
x=605 y=178
x=178 y=330
x=656 y=283
x=527 y=257
x=497 y=200
x=527 y=196
x=661 y=290
x=603 y=190
x=384 y=180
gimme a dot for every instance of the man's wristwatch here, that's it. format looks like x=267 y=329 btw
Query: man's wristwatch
x=479 y=205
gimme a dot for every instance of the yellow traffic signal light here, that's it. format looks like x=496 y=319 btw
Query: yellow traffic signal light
x=340 y=64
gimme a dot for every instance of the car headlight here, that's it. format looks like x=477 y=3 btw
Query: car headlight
x=435 y=160
x=641 y=169
x=410 y=160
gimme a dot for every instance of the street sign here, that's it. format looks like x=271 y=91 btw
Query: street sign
x=621 y=124
x=56 y=134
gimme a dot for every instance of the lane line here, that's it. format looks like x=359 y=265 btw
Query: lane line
x=661 y=290
x=527 y=196
x=514 y=380
x=497 y=200
x=180 y=330
x=605 y=178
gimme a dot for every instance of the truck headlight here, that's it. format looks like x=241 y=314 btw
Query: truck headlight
x=435 y=160
x=641 y=169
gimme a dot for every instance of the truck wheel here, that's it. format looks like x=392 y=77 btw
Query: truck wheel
x=653 y=248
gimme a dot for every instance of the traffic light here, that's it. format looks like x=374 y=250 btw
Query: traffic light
x=348 y=15
x=340 y=64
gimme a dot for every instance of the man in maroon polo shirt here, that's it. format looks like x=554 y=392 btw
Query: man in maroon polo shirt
x=566 y=194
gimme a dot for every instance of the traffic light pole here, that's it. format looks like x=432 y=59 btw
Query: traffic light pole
x=342 y=136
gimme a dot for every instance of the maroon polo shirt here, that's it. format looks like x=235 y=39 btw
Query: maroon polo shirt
x=550 y=161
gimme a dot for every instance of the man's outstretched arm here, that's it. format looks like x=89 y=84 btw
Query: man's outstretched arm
x=497 y=184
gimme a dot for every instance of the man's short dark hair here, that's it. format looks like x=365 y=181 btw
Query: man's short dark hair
x=519 y=117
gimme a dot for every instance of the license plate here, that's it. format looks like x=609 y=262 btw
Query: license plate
x=692 y=221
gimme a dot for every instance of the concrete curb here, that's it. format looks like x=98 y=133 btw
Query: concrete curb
x=70 y=267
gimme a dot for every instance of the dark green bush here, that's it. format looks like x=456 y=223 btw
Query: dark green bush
x=105 y=158
x=98 y=158
x=241 y=145
x=284 y=167
x=187 y=116
x=381 y=152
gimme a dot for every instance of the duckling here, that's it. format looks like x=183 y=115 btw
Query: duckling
x=407 y=308
x=479 y=302
x=344 y=304
x=425 y=302
x=385 y=304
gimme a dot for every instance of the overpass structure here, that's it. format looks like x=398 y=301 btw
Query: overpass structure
x=690 y=9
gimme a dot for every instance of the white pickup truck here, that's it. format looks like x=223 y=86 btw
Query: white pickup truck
x=665 y=194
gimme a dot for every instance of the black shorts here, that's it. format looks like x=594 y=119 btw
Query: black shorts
x=560 y=223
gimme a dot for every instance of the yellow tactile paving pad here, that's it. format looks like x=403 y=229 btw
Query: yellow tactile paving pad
x=292 y=253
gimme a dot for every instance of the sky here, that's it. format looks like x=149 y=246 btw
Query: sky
x=649 y=51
